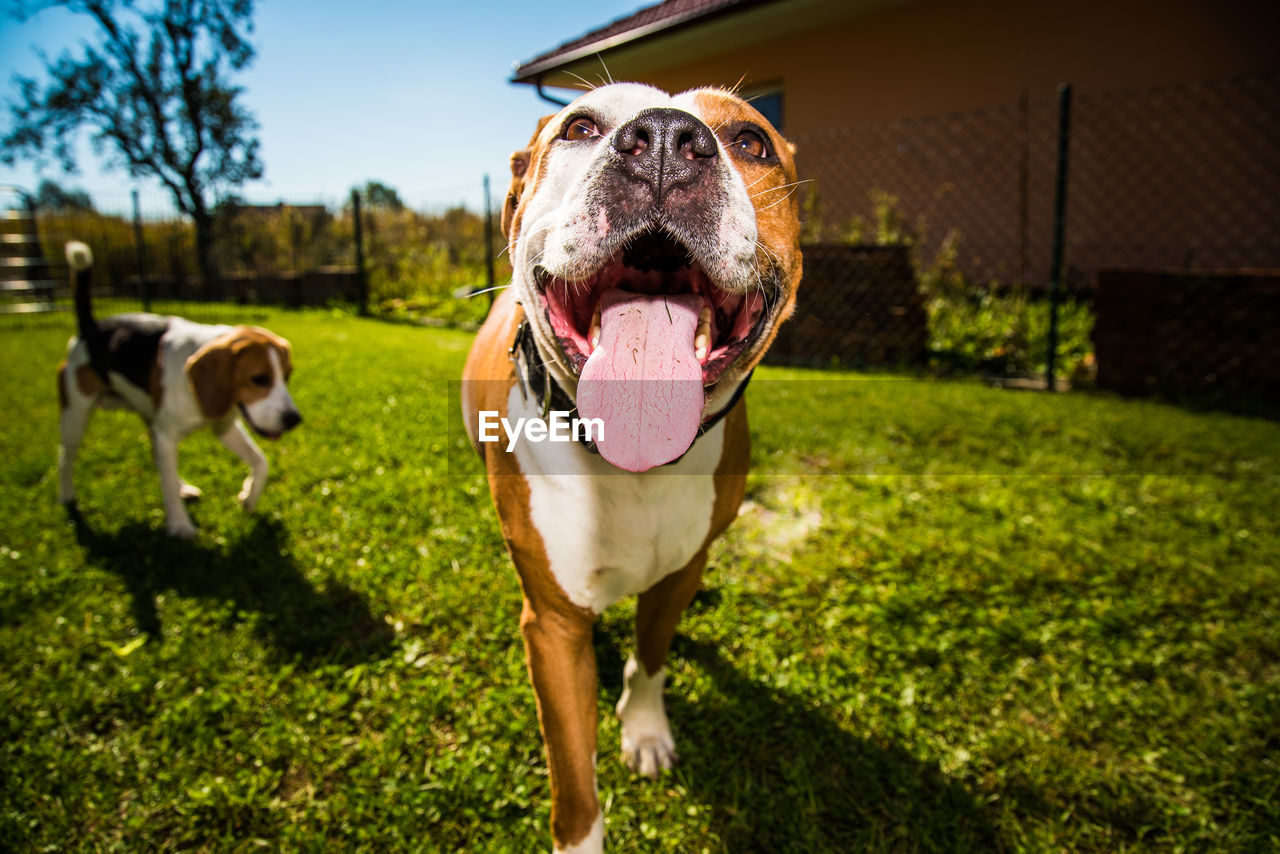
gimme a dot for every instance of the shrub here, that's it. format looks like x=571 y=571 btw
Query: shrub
x=988 y=326
x=418 y=264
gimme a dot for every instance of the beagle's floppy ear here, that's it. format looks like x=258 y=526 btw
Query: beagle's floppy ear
x=209 y=373
x=282 y=346
x=520 y=161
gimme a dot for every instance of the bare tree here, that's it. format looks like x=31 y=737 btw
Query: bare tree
x=154 y=93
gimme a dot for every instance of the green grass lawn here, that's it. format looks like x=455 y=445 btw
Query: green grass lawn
x=950 y=618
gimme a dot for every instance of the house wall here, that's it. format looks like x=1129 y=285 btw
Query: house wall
x=943 y=56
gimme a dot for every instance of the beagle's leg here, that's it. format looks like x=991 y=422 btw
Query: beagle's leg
x=164 y=447
x=562 y=667
x=239 y=443
x=647 y=745
x=72 y=424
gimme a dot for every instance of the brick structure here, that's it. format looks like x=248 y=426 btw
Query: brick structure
x=1189 y=333
x=858 y=305
x=310 y=288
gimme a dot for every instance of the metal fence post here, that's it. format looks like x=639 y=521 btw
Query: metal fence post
x=1059 y=222
x=362 y=283
x=140 y=246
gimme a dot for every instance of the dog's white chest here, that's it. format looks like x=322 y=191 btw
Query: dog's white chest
x=610 y=533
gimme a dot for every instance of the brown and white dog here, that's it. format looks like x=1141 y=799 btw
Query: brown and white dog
x=179 y=376
x=655 y=246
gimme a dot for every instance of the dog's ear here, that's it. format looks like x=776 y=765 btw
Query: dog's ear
x=520 y=161
x=519 y=166
x=281 y=345
x=209 y=373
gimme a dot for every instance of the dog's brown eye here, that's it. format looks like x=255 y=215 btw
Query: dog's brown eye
x=581 y=128
x=751 y=143
x=262 y=380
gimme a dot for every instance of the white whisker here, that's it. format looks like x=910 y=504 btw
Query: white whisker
x=769 y=252
x=486 y=290
x=585 y=84
x=779 y=201
x=769 y=172
x=781 y=187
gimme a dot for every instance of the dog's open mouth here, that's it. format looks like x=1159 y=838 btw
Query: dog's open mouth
x=647 y=333
x=658 y=276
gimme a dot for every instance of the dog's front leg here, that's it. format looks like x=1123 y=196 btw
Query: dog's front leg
x=562 y=667
x=238 y=441
x=648 y=747
x=164 y=448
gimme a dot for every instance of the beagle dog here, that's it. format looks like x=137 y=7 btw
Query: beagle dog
x=179 y=376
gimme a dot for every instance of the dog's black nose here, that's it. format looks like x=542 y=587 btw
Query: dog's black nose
x=664 y=148
x=291 y=419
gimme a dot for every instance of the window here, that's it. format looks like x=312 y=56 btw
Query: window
x=768 y=100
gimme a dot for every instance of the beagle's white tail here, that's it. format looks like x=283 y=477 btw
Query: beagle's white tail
x=79 y=256
x=80 y=260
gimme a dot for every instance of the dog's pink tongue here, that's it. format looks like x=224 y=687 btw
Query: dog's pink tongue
x=643 y=379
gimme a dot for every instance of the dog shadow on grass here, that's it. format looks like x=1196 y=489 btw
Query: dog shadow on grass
x=781 y=776
x=254 y=577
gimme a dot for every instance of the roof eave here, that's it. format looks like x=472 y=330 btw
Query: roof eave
x=534 y=71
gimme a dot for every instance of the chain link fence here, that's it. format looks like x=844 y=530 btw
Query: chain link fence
x=420 y=264
x=145 y=258
x=1179 y=178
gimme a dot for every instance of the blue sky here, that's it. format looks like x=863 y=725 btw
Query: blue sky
x=413 y=94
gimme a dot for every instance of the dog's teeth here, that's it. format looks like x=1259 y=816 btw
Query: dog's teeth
x=593 y=335
x=704 y=321
x=702 y=335
x=700 y=343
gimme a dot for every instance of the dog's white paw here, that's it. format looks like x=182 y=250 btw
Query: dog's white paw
x=189 y=492
x=248 y=498
x=647 y=745
x=651 y=754
x=182 y=528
